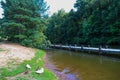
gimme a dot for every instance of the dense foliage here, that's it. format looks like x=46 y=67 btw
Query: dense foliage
x=24 y=22
x=94 y=22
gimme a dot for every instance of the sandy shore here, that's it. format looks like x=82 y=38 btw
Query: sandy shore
x=14 y=53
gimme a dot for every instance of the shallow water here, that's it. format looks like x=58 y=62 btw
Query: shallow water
x=84 y=66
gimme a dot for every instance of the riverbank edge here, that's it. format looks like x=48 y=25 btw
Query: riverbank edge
x=88 y=51
x=52 y=68
x=48 y=74
x=47 y=64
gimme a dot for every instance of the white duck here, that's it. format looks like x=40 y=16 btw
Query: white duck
x=28 y=66
x=39 y=71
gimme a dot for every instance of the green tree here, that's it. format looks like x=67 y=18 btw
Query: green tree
x=24 y=21
x=94 y=22
x=54 y=27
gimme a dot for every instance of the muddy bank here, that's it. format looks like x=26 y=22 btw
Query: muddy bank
x=60 y=74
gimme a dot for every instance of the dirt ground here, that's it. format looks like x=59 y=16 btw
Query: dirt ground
x=15 y=53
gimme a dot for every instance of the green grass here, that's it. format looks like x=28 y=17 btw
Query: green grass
x=34 y=63
x=1 y=50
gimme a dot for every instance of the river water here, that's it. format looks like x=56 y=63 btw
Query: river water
x=81 y=66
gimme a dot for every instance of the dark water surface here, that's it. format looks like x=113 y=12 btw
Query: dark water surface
x=85 y=66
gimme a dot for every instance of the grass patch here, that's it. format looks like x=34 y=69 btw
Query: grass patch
x=1 y=50
x=37 y=61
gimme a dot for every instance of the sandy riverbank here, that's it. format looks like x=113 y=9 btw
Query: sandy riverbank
x=14 y=53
